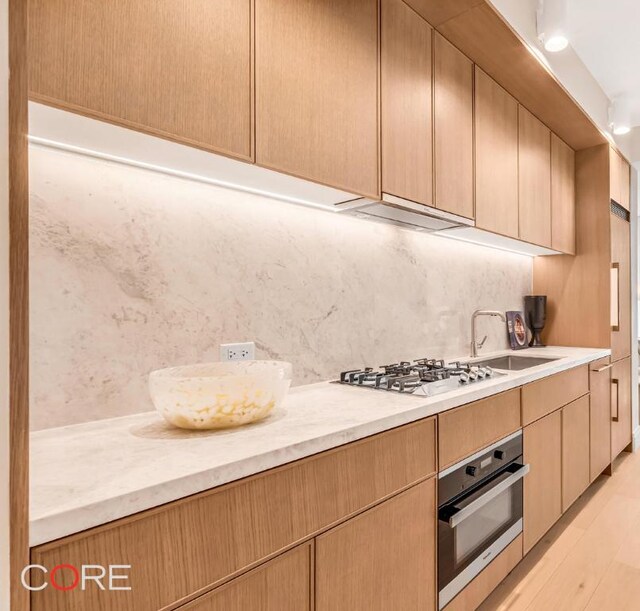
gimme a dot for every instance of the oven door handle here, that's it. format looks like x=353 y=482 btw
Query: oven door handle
x=491 y=494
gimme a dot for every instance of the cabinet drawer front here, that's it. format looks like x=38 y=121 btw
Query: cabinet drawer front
x=467 y=429
x=382 y=559
x=545 y=396
x=203 y=539
x=282 y=584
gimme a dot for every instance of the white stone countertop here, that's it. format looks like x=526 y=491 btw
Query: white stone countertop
x=89 y=474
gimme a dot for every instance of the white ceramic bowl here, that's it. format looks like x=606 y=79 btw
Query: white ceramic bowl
x=219 y=395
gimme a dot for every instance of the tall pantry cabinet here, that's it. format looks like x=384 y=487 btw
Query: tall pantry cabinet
x=589 y=294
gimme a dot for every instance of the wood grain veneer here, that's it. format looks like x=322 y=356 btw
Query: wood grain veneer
x=453 y=129
x=575 y=450
x=406 y=93
x=620 y=406
x=467 y=429
x=621 y=256
x=488 y=579
x=189 y=546
x=600 y=417
x=317 y=91
x=542 y=450
x=563 y=196
x=577 y=287
x=534 y=179
x=282 y=584
x=488 y=40
x=437 y=12
x=182 y=71
x=545 y=396
x=496 y=157
x=382 y=559
x=18 y=304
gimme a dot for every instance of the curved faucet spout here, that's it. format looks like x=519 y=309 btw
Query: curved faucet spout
x=475 y=344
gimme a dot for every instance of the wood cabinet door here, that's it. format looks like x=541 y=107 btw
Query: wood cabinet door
x=620 y=406
x=317 y=91
x=620 y=289
x=534 y=179
x=614 y=175
x=453 y=128
x=180 y=70
x=283 y=584
x=575 y=450
x=563 y=196
x=496 y=157
x=382 y=559
x=625 y=186
x=406 y=92
x=600 y=424
x=542 y=442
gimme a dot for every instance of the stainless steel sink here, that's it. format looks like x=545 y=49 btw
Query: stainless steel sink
x=513 y=363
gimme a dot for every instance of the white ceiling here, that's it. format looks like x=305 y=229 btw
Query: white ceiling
x=605 y=35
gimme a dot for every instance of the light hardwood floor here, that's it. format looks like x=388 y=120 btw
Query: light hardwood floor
x=590 y=559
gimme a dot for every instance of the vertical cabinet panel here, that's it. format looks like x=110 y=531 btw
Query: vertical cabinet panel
x=600 y=422
x=625 y=184
x=543 y=485
x=382 y=559
x=575 y=450
x=453 y=129
x=407 y=143
x=173 y=69
x=621 y=288
x=534 y=179
x=496 y=157
x=283 y=584
x=563 y=197
x=620 y=406
x=317 y=91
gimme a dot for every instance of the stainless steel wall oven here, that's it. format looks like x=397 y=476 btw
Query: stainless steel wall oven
x=479 y=512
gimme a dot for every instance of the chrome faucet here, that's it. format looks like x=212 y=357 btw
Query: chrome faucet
x=475 y=344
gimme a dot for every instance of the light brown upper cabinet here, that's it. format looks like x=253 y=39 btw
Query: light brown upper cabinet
x=496 y=157
x=534 y=179
x=317 y=91
x=407 y=142
x=619 y=178
x=172 y=69
x=382 y=559
x=620 y=288
x=453 y=127
x=563 y=196
x=620 y=406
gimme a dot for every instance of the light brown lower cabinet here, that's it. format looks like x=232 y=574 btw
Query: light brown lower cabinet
x=382 y=559
x=542 y=442
x=620 y=406
x=283 y=584
x=575 y=450
x=600 y=417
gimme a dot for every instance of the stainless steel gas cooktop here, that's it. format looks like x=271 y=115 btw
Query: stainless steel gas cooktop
x=422 y=376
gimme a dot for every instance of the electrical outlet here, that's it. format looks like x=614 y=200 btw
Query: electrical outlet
x=238 y=352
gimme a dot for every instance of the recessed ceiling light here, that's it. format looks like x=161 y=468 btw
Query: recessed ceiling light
x=556 y=43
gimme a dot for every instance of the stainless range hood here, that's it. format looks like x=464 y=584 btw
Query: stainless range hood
x=405 y=213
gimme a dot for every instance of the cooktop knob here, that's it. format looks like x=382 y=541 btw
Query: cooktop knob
x=499 y=454
x=471 y=470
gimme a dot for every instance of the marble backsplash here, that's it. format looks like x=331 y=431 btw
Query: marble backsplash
x=132 y=271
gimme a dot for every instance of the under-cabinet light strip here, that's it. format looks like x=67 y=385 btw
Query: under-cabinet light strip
x=445 y=234
x=70 y=148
